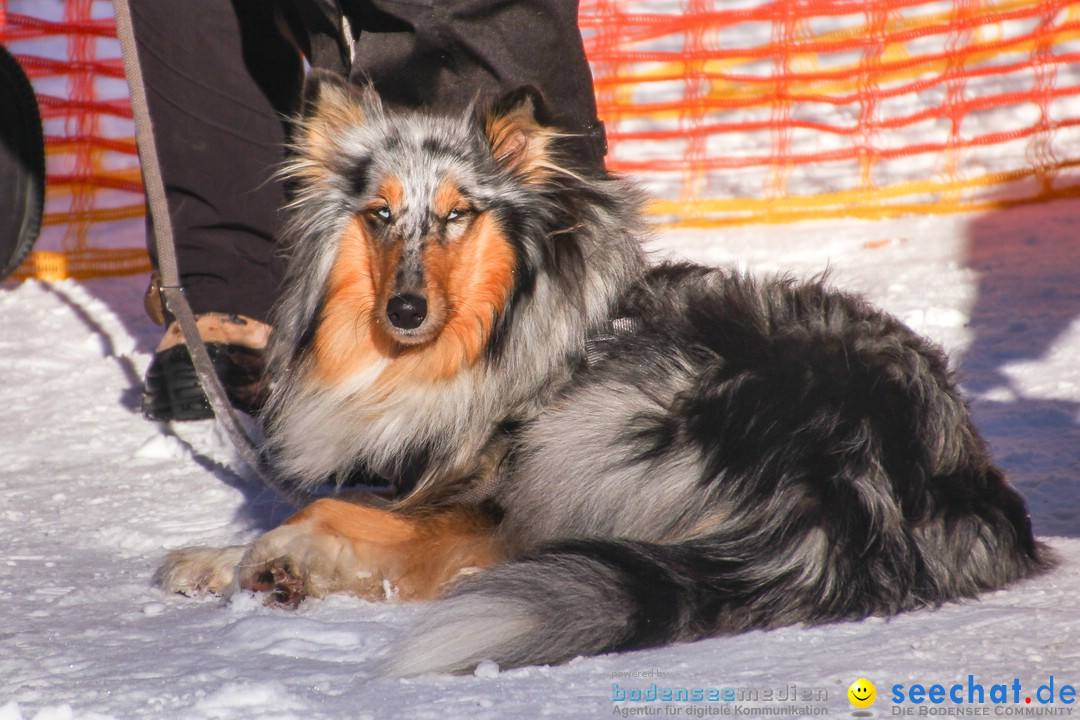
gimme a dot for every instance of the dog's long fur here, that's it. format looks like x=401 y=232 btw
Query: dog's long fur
x=636 y=455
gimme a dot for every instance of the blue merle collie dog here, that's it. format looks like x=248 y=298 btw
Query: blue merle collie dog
x=590 y=454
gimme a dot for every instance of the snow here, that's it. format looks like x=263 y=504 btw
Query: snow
x=92 y=496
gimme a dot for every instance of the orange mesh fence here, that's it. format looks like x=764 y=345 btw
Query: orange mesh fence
x=69 y=51
x=749 y=111
x=728 y=112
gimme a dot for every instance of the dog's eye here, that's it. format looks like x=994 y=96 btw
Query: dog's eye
x=456 y=214
x=380 y=213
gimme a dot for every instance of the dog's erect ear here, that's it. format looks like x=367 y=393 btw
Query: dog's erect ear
x=332 y=106
x=517 y=135
x=329 y=98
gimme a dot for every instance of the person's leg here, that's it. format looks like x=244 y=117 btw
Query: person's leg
x=444 y=54
x=220 y=81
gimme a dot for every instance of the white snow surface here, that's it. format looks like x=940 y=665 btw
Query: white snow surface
x=92 y=496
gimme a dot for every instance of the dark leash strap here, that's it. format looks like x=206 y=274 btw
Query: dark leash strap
x=171 y=289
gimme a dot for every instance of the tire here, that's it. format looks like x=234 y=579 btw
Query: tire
x=22 y=165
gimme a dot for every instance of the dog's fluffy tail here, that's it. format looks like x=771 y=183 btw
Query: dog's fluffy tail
x=544 y=609
x=587 y=597
x=578 y=598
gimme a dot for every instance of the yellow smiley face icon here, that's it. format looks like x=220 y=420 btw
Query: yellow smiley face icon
x=862 y=693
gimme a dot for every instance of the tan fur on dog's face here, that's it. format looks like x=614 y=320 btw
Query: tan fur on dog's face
x=467 y=269
x=418 y=222
x=421 y=228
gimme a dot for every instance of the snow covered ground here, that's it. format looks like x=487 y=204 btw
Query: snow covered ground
x=92 y=495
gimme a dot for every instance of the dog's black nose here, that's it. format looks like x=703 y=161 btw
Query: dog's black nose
x=406 y=311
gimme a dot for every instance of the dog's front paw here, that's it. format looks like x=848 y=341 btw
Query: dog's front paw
x=198 y=570
x=298 y=561
x=280 y=578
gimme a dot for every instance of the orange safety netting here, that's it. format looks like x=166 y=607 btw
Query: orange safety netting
x=741 y=112
x=730 y=111
x=69 y=51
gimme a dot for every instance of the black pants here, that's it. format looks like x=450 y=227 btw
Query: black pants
x=222 y=77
